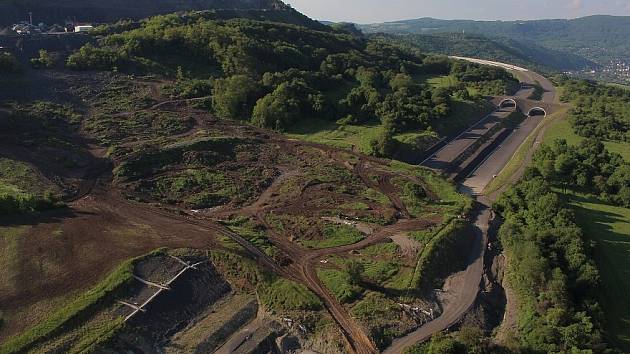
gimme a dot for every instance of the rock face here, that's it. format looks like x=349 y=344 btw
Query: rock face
x=99 y=11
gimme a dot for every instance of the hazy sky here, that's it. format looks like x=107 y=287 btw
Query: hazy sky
x=368 y=11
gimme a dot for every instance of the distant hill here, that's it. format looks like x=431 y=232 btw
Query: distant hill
x=524 y=53
x=100 y=11
x=596 y=38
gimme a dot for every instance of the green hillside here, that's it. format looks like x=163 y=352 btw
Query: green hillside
x=58 y=11
x=597 y=38
x=294 y=79
x=523 y=53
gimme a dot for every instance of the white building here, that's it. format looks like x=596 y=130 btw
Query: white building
x=83 y=28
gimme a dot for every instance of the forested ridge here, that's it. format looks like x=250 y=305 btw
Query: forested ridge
x=275 y=74
x=508 y=50
x=596 y=38
x=95 y=11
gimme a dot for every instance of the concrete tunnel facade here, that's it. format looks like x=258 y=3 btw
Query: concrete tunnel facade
x=508 y=103
x=537 y=111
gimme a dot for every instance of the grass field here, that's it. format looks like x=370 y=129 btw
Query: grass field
x=505 y=176
x=441 y=81
x=331 y=133
x=609 y=227
x=562 y=129
x=335 y=235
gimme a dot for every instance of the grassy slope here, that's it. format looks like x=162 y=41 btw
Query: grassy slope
x=75 y=312
x=327 y=132
x=609 y=227
x=562 y=129
x=18 y=178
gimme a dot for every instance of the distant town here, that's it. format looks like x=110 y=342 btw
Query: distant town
x=616 y=71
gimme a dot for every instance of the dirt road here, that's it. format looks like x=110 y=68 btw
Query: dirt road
x=465 y=289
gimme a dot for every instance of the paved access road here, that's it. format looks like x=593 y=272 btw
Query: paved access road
x=443 y=159
x=492 y=166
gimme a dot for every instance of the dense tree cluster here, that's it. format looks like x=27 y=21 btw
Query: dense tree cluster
x=598 y=110
x=489 y=80
x=90 y=57
x=45 y=60
x=275 y=75
x=550 y=270
x=588 y=167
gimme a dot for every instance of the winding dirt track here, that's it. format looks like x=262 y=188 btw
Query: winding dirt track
x=302 y=269
x=466 y=290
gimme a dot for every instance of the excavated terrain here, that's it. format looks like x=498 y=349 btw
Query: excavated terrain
x=202 y=184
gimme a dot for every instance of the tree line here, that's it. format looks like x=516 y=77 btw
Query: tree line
x=587 y=167
x=599 y=110
x=550 y=270
x=274 y=75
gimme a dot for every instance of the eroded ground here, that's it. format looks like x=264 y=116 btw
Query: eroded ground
x=153 y=173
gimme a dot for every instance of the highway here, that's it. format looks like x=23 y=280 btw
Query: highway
x=469 y=281
x=499 y=158
x=443 y=159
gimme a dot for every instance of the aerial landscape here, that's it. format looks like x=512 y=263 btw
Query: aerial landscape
x=260 y=176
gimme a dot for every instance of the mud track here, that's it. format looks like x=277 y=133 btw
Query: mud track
x=99 y=205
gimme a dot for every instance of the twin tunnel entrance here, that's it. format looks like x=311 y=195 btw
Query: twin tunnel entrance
x=510 y=104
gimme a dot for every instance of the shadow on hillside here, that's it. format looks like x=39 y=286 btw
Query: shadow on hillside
x=44 y=217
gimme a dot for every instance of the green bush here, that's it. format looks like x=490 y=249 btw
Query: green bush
x=285 y=295
x=8 y=64
x=27 y=203
x=205 y=200
x=341 y=284
x=91 y=57
x=234 y=97
x=45 y=60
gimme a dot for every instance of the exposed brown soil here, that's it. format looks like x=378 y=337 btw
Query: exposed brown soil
x=67 y=251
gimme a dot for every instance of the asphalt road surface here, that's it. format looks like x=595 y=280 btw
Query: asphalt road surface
x=493 y=165
x=443 y=158
x=500 y=157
